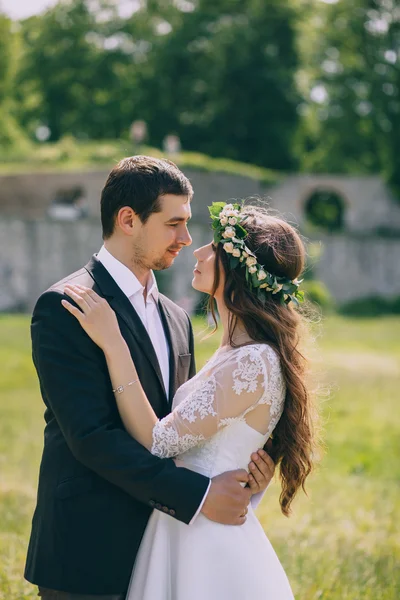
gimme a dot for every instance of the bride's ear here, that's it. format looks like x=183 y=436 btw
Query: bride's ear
x=126 y=220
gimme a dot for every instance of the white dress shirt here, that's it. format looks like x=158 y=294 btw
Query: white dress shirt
x=148 y=313
x=147 y=309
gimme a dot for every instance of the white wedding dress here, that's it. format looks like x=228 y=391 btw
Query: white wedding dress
x=222 y=415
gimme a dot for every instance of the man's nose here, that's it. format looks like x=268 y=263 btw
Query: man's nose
x=186 y=238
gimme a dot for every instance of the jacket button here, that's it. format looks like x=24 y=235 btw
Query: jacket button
x=165 y=509
x=158 y=506
x=152 y=503
x=172 y=512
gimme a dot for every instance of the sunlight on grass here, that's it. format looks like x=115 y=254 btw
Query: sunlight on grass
x=342 y=542
x=70 y=154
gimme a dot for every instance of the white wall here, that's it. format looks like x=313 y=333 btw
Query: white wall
x=36 y=253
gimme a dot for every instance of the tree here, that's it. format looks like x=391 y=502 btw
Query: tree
x=222 y=77
x=10 y=132
x=355 y=83
x=79 y=63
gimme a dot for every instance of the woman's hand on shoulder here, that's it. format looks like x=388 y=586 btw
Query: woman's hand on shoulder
x=94 y=314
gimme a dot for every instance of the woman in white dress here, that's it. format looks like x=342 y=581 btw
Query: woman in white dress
x=252 y=386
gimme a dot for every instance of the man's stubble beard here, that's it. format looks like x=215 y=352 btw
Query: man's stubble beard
x=161 y=265
x=139 y=258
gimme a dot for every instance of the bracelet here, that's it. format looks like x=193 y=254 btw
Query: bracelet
x=121 y=388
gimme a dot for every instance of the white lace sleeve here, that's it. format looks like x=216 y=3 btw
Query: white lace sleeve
x=236 y=390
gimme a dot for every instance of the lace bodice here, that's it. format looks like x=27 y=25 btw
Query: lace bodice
x=225 y=412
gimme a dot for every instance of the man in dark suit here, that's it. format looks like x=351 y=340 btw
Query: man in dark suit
x=97 y=485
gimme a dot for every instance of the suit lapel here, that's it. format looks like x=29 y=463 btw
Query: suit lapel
x=124 y=309
x=168 y=324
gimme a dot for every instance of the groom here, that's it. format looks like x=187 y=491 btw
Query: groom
x=97 y=485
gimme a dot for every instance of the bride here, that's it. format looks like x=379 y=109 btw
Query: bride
x=253 y=386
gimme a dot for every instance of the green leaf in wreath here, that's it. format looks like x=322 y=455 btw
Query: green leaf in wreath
x=216 y=208
x=217 y=237
x=254 y=280
x=289 y=288
x=241 y=233
x=233 y=262
x=216 y=224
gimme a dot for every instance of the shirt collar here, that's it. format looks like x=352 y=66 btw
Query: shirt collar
x=124 y=278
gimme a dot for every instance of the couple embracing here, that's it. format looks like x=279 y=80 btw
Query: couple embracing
x=150 y=472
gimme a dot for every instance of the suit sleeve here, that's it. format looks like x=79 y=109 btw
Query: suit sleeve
x=76 y=386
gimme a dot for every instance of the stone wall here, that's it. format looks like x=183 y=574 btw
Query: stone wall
x=28 y=196
x=359 y=267
x=36 y=253
x=368 y=202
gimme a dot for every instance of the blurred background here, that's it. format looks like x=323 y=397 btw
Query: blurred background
x=295 y=103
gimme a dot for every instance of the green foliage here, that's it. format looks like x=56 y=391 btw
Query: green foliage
x=12 y=139
x=371 y=307
x=232 y=79
x=11 y=134
x=350 y=55
x=317 y=293
x=325 y=210
x=80 y=73
x=203 y=162
x=227 y=68
x=8 y=43
x=72 y=154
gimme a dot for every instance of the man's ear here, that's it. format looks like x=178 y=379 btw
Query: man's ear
x=127 y=220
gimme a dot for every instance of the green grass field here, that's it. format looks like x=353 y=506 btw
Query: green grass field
x=343 y=541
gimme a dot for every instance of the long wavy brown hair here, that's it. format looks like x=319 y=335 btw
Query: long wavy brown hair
x=279 y=248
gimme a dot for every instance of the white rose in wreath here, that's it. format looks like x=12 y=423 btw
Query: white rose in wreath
x=250 y=261
x=261 y=275
x=277 y=288
x=224 y=221
x=228 y=247
x=252 y=269
x=232 y=220
x=236 y=252
x=229 y=233
x=226 y=208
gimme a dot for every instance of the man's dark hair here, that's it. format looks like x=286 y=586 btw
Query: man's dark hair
x=140 y=182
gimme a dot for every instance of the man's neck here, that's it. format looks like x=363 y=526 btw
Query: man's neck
x=141 y=273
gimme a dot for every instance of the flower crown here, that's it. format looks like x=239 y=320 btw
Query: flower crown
x=226 y=223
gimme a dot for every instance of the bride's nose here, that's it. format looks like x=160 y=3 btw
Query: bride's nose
x=201 y=253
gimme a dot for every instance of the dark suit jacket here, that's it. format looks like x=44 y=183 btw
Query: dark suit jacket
x=97 y=485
